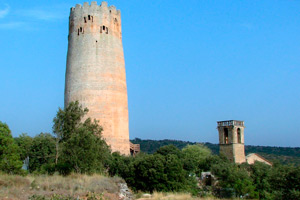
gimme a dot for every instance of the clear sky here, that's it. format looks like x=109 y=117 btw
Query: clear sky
x=188 y=63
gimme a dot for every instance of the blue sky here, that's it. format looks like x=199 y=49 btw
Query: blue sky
x=188 y=64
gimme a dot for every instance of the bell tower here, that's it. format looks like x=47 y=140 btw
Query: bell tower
x=231 y=140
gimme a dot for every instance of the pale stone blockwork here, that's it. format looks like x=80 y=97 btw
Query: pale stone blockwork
x=231 y=140
x=95 y=74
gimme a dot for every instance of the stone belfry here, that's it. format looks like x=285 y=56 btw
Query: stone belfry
x=231 y=140
x=95 y=74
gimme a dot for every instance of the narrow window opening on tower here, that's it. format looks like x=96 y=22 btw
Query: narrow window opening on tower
x=89 y=17
x=103 y=28
x=106 y=30
x=239 y=135
x=109 y=11
x=84 y=19
x=226 y=135
x=80 y=29
x=78 y=32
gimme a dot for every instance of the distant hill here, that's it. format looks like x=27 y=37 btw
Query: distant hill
x=285 y=155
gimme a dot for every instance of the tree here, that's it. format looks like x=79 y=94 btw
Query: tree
x=9 y=152
x=162 y=171
x=79 y=144
x=123 y=166
x=24 y=142
x=85 y=151
x=194 y=156
x=293 y=183
x=285 y=182
x=259 y=173
x=42 y=153
x=67 y=120
x=168 y=150
x=234 y=177
x=176 y=175
x=150 y=173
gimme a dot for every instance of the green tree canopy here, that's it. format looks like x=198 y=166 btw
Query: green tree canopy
x=24 y=142
x=9 y=151
x=42 y=152
x=194 y=156
x=81 y=147
x=67 y=120
x=233 y=176
x=168 y=150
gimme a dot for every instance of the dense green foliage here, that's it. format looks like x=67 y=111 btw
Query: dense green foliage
x=24 y=142
x=76 y=147
x=171 y=169
x=84 y=152
x=286 y=155
x=176 y=166
x=80 y=147
x=194 y=156
x=161 y=171
x=9 y=152
x=42 y=153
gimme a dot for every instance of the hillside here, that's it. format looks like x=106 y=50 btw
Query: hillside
x=285 y=155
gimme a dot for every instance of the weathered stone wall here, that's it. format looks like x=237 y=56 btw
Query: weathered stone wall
x=239 y=153
x=95 y=74
x=227 y=150
x=233 y=150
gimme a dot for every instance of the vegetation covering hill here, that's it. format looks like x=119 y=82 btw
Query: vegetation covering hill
x=285 y=155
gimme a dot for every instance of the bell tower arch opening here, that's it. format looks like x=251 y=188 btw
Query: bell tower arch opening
x=226 y=136
x=239 y=137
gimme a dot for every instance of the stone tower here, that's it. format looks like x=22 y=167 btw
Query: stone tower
x=95 y=74
x=231 y=140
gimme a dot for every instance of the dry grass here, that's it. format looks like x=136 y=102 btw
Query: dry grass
x=174 y=196
x=18 y=187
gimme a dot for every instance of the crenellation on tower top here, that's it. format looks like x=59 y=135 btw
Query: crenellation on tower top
x=112 y=9
x=78 y=6
x=104 y=4
x=86 y=5
x=79 y=11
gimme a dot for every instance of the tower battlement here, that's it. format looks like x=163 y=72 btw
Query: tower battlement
x=94 y=7
x=95 y=19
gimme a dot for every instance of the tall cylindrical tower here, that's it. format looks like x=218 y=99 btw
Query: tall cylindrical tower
x=95 y=74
